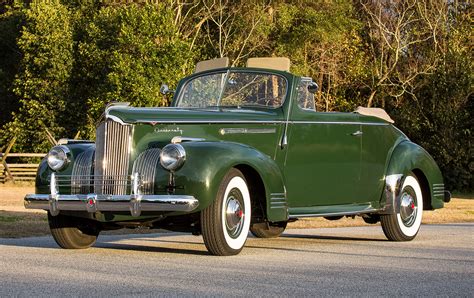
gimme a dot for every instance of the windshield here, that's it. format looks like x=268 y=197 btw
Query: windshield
x=233 y=89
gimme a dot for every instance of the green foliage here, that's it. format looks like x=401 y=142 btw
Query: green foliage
x=321 y=39
x=125 y=54
x=41 y=84
x=62 y=61
x=10 y=24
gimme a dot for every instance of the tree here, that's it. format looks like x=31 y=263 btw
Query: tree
x=321 y=38
x=237 y=29
x=402 y=43
x=125 y=54
x=41 y=84
x=11 y=21
x=441 y=120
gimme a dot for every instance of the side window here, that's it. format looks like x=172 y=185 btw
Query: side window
x=305 y=98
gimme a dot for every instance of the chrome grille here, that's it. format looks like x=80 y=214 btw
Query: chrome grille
x=82 y=173
x=145 y=165
x=111 y=157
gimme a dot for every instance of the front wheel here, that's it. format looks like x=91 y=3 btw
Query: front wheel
x=225 y=223
x=405 y=223
x=71 y=232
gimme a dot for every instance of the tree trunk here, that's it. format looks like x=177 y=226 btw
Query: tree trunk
x=371 y=99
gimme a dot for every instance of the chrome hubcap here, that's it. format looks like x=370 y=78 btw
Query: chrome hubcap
x=234 y=213
x=408 y=207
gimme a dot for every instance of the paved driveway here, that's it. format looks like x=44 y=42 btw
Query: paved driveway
x=337 y=261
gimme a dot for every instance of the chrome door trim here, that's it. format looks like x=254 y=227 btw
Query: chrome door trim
x=224 y=131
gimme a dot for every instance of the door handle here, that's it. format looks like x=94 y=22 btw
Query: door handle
x=357 y=133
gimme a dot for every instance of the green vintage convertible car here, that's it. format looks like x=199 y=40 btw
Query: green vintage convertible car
x=239 y=150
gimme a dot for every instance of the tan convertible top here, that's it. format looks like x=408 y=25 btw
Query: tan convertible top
x=277 y=63
x=212 y=64
x=375 y=112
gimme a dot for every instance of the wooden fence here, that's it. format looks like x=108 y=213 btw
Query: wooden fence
x=18 y=171
x=24 y=170
x=15 y=171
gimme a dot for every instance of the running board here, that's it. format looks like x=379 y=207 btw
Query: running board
x=328 y=211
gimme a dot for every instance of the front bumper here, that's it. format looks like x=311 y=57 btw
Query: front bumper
x=135 y=204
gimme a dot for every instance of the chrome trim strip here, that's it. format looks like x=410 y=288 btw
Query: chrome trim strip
x=278 y=207
x=180 y=121
x=438 y=184
x=190 y=121
x=116 y=119
x=74 y=141
x=94 y=202
x=180 y=139
x=340 y=122
x=439 y=195
x=224 y=131
x=334 y=213
x=277 y=194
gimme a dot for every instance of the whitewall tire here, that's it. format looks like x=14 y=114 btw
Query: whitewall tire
x=405 y=223
x=225 y=223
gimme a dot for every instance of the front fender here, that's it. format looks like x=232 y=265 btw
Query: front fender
x=406 y=158
x=208 y=162
x=43 y=172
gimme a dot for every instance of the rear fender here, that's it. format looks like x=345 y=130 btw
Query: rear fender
x=408 y=158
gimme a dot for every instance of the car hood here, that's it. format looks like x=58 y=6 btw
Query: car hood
x=132 y=115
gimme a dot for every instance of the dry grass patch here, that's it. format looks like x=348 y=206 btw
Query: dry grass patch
x=458 y=210
x=16 y=221
x=23 y=224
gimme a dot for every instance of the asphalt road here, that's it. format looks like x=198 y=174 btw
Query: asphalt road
x=329 y=262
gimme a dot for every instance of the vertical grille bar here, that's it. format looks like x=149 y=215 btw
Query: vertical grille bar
x=112 y=158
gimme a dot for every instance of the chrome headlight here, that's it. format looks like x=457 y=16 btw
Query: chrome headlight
x=172 y=157
x=58 y=157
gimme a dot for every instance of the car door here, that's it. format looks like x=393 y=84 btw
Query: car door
x=322 y=162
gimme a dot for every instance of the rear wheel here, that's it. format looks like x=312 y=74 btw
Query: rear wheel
x=268 y=231
x=225 y=223
x=404 y=224
x=73 y=233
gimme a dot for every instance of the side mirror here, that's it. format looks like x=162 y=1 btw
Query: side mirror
x=164 y=89
x=313 y=88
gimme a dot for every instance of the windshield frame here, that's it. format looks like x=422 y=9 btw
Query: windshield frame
x=182 y=85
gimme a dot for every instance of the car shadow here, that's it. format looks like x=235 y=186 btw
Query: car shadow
x=113 y=242
x=157 y=249
x=341 y=238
